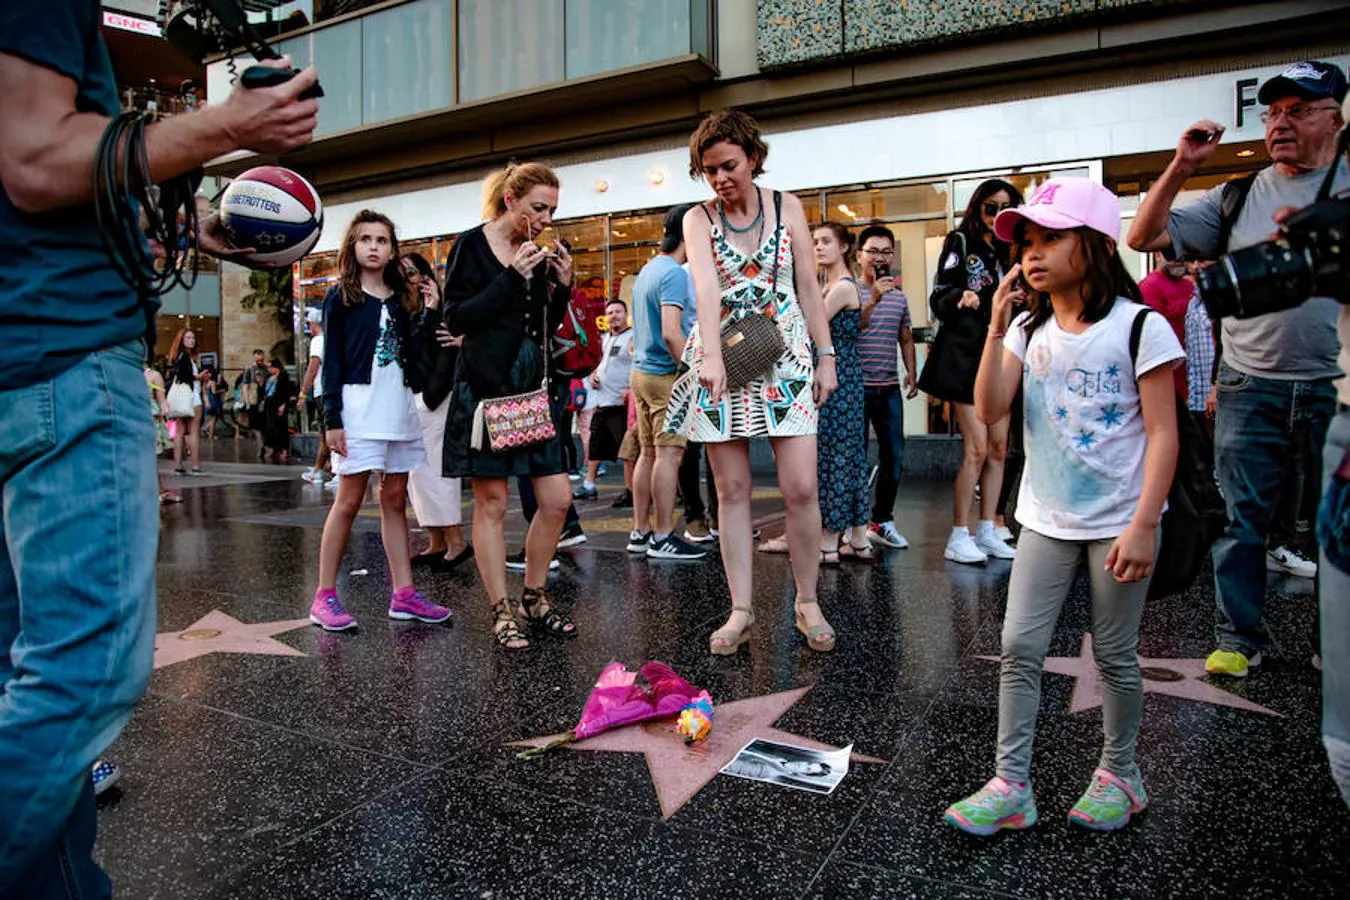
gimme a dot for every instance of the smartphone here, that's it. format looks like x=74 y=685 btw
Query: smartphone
x=881 y=270
x=1202 y=135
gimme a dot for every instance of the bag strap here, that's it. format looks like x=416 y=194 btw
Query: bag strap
x=1231 y=200
x=777 y=235
x=1136 y=334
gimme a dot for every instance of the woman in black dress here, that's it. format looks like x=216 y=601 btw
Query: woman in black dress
x=505 y=294
x=277 y=394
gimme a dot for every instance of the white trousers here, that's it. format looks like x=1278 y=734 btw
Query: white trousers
x=436 y=500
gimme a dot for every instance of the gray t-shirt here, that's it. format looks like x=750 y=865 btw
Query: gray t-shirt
x=1298 y=344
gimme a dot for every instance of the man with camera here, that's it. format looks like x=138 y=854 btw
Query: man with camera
x=77 y=470
x=1279 y=360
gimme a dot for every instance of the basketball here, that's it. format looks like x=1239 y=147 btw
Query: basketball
x=275 y=211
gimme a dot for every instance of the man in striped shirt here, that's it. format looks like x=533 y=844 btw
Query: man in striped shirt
x=886 y=323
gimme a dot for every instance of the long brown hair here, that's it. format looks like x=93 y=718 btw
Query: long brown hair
x=972 y=224
x=349 y=270
x=178 y=345
x=518 y=179
x=1105 y=278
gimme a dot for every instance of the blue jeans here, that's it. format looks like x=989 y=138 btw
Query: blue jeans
x=1254 y=441
x=78 y=543
x=883 y=410
x=1335 y=603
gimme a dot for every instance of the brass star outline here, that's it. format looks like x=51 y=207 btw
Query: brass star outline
x=679 y=770
x=218 y=632
x=1184 y=678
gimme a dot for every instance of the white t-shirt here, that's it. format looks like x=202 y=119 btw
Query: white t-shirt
x=383 y=410
x=1083 y=427
x=316 y=350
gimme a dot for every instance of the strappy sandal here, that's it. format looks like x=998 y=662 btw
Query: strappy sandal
x=850 y=550
x=542 y=614
x=829 y=557
x=726 y=640
x=819 y=638
x=774 y=545
x=506 y=628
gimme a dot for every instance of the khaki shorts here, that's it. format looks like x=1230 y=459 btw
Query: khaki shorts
x=652 y=393
x=630 y=449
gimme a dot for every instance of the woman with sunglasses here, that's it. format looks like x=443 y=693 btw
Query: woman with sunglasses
x=970 y=267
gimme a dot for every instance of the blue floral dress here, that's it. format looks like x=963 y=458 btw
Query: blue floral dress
x=841 y=465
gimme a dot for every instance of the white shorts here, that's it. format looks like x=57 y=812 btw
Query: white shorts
x=372 y=455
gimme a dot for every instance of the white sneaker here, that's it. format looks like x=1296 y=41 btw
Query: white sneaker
x=886 y=534
x=1286 y=561
x=332 y=483
x=1004 y=534
x=961 y=547
x=993 y=545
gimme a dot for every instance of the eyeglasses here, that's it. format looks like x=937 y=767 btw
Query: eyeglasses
x=993 y=209
x=870 y=251
x=1296 y=113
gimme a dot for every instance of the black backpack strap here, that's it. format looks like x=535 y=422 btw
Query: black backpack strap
x=777 y=235
x=1136 y=334
x=704 y=207
x=1232 y=198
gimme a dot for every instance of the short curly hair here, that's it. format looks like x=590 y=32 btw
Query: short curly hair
x=731 y=126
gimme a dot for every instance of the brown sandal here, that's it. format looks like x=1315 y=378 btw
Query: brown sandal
x=777 y=544
x=542 y=614
x=850 y=550
x=726 y=640
x=819 y=638
x=506 y=627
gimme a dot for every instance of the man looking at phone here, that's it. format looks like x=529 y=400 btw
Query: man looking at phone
x=77 y=579
x=1277 y=370
x=886 y=322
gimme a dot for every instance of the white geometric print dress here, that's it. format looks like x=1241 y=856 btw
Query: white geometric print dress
x=779 y=405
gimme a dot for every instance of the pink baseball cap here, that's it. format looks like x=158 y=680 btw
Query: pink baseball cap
x=1065 y=203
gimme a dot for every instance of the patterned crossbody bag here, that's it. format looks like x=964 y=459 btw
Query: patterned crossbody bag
x=520 y=420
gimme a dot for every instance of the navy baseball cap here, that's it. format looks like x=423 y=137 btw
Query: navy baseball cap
x=1309 y=80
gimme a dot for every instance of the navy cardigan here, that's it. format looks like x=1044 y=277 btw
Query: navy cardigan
x=350 y=335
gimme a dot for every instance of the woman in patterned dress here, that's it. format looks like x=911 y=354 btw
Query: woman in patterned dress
x=842 y=469
x=750 y=251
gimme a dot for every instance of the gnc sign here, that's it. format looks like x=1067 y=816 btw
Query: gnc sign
x=131 y=23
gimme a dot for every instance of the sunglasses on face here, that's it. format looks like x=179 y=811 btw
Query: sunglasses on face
x=993 y=209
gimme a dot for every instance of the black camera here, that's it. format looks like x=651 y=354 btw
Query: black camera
x=1310 y=258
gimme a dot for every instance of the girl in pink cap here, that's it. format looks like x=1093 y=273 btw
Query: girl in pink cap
x=1101 y=447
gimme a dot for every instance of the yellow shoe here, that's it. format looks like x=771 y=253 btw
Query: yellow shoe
x=1231 y=663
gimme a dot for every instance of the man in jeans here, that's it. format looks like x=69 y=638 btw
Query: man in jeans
x=77 y=580
x=1277 y=372
x=886 y=314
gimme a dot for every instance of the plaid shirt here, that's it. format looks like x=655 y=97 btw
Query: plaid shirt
x=1199 y=354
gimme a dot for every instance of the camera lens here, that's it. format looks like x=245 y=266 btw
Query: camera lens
x=1257 y=280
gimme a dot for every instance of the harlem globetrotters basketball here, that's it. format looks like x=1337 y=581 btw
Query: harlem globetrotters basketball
x=276 y=212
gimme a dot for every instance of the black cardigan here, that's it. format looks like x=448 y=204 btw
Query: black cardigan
x=350 y=335
x=492 y=306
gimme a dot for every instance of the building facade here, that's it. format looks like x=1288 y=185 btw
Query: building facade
x=874 y=112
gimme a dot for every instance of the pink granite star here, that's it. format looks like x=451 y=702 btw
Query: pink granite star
x=1176 y=677
x=217 y=632
x=680 y=770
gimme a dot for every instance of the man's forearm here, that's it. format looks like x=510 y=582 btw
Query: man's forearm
x=1149 y=230
x=907 y=352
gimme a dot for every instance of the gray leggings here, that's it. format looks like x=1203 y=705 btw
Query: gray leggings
x=1042 y=575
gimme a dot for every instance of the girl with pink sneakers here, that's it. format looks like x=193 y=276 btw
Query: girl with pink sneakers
x=369 y=414
x=1101 y=446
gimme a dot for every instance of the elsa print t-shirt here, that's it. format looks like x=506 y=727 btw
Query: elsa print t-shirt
x=1083 y=428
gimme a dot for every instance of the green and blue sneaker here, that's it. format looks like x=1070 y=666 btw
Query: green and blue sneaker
x=1109 y=801
x=999 y=804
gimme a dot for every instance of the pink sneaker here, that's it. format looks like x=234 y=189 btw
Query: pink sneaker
x=407 y=603
x=327 y=612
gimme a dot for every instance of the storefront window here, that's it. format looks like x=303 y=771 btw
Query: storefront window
x=870 y=204
x=508 y=45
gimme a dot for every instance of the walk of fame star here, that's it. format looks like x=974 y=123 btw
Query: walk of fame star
x=217 y=632
x=679 y=770
x=1176 y=677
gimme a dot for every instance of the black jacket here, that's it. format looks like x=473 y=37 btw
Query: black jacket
x=954 y=359
x=350 y=336
x=492 y=306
